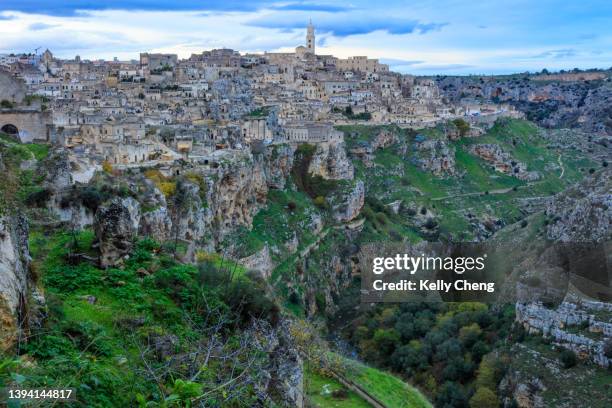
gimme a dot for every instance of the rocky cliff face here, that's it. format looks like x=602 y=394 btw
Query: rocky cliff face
x=331 y=162
x=16 y=284
x=435 y=156
x=277 y=162
x=502 y=161
x=584 y=212
x=347 y=203
x=237 y=195
x=555 y=101
x=116 y=226
x=558 y=324
x=155 y=219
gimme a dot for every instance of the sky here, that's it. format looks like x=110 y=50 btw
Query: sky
x=418 y=37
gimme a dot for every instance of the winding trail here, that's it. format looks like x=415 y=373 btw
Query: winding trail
x=561 y=165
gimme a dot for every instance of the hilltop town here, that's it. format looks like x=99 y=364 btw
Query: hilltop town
x=161 y=108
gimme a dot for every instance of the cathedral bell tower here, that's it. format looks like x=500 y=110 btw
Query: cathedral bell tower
x=310 y=38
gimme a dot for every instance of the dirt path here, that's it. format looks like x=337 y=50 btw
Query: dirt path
x=561 y=165
x=497 y=191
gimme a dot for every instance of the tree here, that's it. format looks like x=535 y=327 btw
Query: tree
x=484 y=398
x=451 y=396
x=462 y=125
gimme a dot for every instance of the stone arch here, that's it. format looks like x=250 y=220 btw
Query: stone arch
x=10 y=129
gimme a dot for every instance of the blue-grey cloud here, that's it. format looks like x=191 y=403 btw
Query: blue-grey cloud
x=400 y=62
x=302 y=6
x=343 y=26
x=41 y=26
x=557 y=54
x=444 y=67
x=71 y=7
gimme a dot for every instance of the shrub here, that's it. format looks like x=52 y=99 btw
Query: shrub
x=568 y=358
x=107 y=167
x=245 y=298
x=168 y=188
x=38 y=198
x=341 y=393
x=91 y=198
x=462 y=125
x=320 y=202
x=484 y=398
x=607 y=348
x=68 y=278
x=524 y=223
x=291 y=206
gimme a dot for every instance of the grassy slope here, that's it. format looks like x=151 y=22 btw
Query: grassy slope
x=387 y=388
x=396 y=177
x=318 y=389
x=93 y=346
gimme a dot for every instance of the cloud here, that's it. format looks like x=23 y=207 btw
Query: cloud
x=557 y=54
x=342 y=25
x=41 y=26
x=444 y=67
x=6 y=18
x=74 y=7
x=400 y=62
x=326 y=8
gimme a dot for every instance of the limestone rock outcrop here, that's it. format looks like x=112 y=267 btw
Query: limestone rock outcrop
x=503 y=162
x=557 y=325
x=347 y=203
x=435 y=156
x=277 y=164
x=331 y=162
x=239 y=192
x=11 y=88
x=16 y=285
x=260 y=262
x=116 y=226
x=584 y=212
x=189 y=215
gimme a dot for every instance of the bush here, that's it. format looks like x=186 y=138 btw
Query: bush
x=291 y=206
x=484 y=398
x=341 y=393
x=168 y=188
x=568 y=358
x=381 y=218
x=320 y=202
x=91 y=198
x=245 y=298
x=524 y=223
x=68 y=278
x=38 y=198
x=462 y=125
x=607 y=348
x=107 y=167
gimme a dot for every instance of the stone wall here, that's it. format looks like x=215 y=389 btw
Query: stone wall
x=32 y=125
